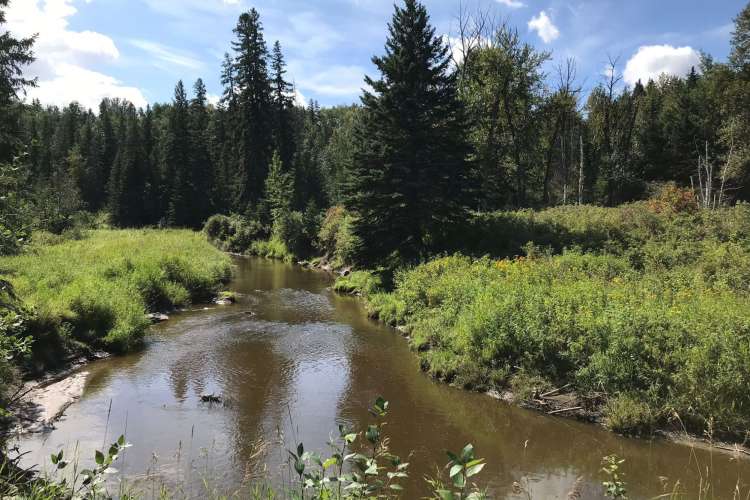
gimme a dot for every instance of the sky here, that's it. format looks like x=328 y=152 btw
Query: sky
x=139 y=49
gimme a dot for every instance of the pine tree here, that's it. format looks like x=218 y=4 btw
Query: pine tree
x=279 y=189
x=91 y=185
x=152 y=181
x=126 y=183
x=15 y=55
x=254 y=103
x=109 y=137
x=410 y=175
x=176 y=168
x=200 y=160
x=283 y=103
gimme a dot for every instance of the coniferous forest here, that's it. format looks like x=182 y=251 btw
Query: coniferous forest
x=531 y=235
x=438 y=134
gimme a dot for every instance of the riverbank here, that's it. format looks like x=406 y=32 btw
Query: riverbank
x=639 y=315
x=73 y=299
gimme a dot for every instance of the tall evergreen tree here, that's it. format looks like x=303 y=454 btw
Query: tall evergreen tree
x=176 y=169
x=254 y=103
x=200 y=159
x=15 y=55
x=126 y=185
x=283 y=103
x=411 y=172
x=279 y=189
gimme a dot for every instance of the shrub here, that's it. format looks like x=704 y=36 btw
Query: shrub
x=290 y=229
x=626 y=415
x=358 y=282
x=233 y=233
x=336 y=238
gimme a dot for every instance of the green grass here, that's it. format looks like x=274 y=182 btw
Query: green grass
x=97 y=290
x=272 y=248
x=651 y=310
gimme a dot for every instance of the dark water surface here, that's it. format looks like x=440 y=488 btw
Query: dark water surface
x=313 y=358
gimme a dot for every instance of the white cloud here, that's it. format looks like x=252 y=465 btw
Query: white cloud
x=653 y=60
x=335 y=81
x=544 y=27
x=513 y=4
x=167 y=54
x=299 y=98
x=74 y=83
x=63 y=55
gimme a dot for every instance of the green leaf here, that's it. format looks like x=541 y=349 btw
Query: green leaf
x=299 y=466
x=99 y=457
x=445 y=494
x=373 y=433
x=456 y=469
x=397 y=487
x=330 y=462
x=459 y=480
x=467 y=453
x=475 y=469
x=121 y=440
x=300 y=449
x=372 y=468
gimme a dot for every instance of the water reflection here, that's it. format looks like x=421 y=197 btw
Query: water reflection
x=292 y=360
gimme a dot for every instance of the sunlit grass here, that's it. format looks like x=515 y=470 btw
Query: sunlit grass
x=99 y=288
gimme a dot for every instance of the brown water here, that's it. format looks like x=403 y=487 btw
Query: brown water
x=313 y=358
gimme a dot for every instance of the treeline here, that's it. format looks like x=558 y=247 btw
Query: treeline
x=176 y=164
x=438 y=135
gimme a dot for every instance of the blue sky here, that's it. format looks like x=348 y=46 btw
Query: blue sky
x=138 y=49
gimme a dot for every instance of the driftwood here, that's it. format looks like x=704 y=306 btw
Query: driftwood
x=554 y=391
x=563 y=410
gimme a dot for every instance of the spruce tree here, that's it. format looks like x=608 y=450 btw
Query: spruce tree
x=279 y=189
x=200 y=160
x=152 y=180
x=176 y=168
x=410 y=175
x=126 y=185
x=283 y=104
x=15 y=55
x=254 y=103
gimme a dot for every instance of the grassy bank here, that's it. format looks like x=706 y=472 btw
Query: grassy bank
x=95 y=292
x=643 y=307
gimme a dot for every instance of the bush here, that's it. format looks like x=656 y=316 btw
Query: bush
x=336 y=238
x=233 y=233
x=359 y=282
x=290 y=229
x=626 y=415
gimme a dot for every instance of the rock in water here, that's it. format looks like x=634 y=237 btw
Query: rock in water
x=210 y=398
x=157 y=317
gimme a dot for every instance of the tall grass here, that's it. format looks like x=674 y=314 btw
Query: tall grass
x=648 y=309
x=97 y=290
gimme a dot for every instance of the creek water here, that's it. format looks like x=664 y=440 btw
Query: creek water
x=292 y=360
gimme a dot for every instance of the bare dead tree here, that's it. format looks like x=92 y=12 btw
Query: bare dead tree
x=473 y=29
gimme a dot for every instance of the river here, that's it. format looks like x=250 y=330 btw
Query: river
x=292 y=360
